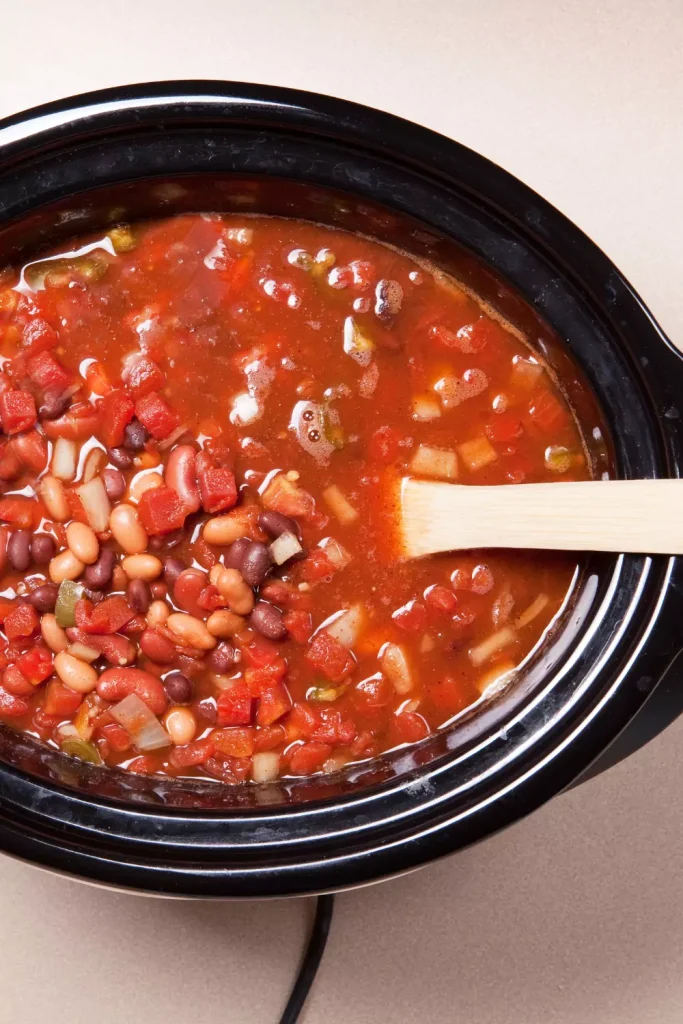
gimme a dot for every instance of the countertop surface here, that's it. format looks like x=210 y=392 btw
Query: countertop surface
x=574 y=915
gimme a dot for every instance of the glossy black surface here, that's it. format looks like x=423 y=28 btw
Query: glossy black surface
x=617 y=640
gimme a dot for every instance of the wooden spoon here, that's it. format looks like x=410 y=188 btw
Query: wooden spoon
x=612 y=515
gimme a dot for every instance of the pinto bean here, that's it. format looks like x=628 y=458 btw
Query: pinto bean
x=181 y=726
x=117 y=683
x=75 y=674
x=181 y=475
x=191 y=631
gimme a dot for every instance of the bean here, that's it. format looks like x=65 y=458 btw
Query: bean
x=119 y=580
x=142 y=482
x=223 y=623
x=158 y=590
x=98 y=575
x=44 y=598
x=114 y=483
x=157 y=647
x=167 y=541
x=157 y=613
x=224 y=529
x=172 y=570
x=82 y=542
x=53 y=634
x=54 y=498
x=138 y=596
x=181 y=475
x=142 y=567
x=275 y=523
x=65 y=566
x=135 y=436
x=256 y=563
x=221 y=659
x=178 y=688
x=95 y=461
x=266 y=619
x=75 y=674
x=117 y=683
x=127 y=529
x=120 y=457
x=234 y=556
x=236 y=592
x=181 y=726
x=43 y=548
x=187 y=590
x=19 y=550
x=191 y=630
x=53 y=405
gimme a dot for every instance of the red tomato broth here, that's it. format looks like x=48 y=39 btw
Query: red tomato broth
x=260 y=307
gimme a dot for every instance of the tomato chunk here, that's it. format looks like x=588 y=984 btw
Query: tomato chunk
x=274 y=702
x=110 y=616
x=156 y=415
x=142 y=375
x=235 y=706
x=330 y=657
x=234 y=742
x=21 y=621
x=161 y=510
x=17 y=411
x=116 y=411
x=47 y=372
x=36 y=665
x=60 y=701
x=217 y=485
x=309 y=757
x=38 y=335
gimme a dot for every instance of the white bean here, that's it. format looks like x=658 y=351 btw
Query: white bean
x=65 y=566
x=191 y=630
x=181 y=726
x=75 y=674
x=127 y=529
x=53 y=634
x=142 y=567
x=83 y=542
x=53 y=496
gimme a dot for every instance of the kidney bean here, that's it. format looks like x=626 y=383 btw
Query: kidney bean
x=53 y=405
x=135 y=436
x=276 y=523
x=138 y=595
x=256 y=562
x=44 y=598
x=178 y=688
x=266 y=619
x=98 y=575
x=157 y=647
x=158 y=589
x=186 y=591
x=234 y=556
x=114 y=483
x=181 y=475
x=19 y=550
x=167 y=541
x=221 y=659
x=117 y=683
x=43 y=548
x=172 y=570
x=120 y=457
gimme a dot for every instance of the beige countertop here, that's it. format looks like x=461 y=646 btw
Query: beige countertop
x=575 y=915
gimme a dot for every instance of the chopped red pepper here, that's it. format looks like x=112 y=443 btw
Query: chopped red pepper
x=116 y=411
x=161 y=510
x=156 y=415
x=17 y=411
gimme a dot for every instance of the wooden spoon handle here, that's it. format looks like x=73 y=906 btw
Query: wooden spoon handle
x=611 y=515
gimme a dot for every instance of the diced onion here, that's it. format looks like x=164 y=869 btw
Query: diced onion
x=337 y=554
x=64 y=459
x=525 y=373
x=478 y=453
x=496 y=678
x=434 y=462
x=96 y=504
x=340 y=505
x=502 y=608
x=245 y=409
x=530 y=613
x=346 y=626
x=265 y=766
x=425 y=408
x=140 y=723
x=395 y=664
x=494 y=643
x=356 y=344
x=95 y=461
x=284 y=547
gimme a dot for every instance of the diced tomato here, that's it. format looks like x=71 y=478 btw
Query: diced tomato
x=364 y=745
x=11 y=706
x=283 y=495
x=46 y=372
x=309 y=757
x=10 y=463
x=302 y=722
x=384 y=445
x=330 y=657
x=20 y=512
x=31 y=449
x=80 y=423
x=141 y=375
x=161 y=510
x=286 y=595
x=316 y=566
x=412 y=617
x=143 y=765
x=211 y=598
x=228 y=769
x=463 y=620
x=156 y=415
x=273 y=703
x=236 y=742
x=97 y=379
x=269 y=737
x=14 y=681
x=236 y=275
x=235 y=706
x=17 y=411
x=109 y=616
x=116 y=736
x=192 y=754
x=256 y=650
x=60 y=701
x=6 y=606
x=299 y=625
x=334 y=727
x=38 y=335
x=440 y=600
x=374 y=692
x=116 y=411
x=21 y=621
x=504 y=428
x=36 y=665
x=260 y=679
x=546 y=411
x=448 y=696
x=409 y=727
x=217 y=485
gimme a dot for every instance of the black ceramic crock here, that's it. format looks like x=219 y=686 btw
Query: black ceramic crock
x=147 y=150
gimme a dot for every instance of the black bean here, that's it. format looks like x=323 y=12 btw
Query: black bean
x=221 y=658
x=53 y=405
x=114 y=483
x=178 y=688
x=266 y=619
x=276 y=523
x=234 y=556
x=98 y=575
x=19 y=550
x=256 y=563
x=120 y=457
x=43 y=548
x=172 y=570
x=44 y=598
x=135 y=436
x=138 y=595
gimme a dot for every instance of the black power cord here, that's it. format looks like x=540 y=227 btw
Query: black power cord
x=311 y=961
